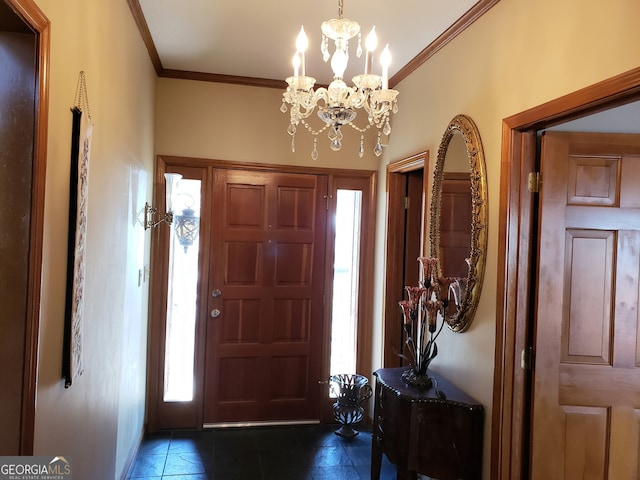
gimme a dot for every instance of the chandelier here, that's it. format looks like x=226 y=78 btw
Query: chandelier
x=338 y=103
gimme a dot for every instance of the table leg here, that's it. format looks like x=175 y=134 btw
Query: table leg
x=376 y=458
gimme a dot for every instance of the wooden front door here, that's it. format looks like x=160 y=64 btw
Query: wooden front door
x=266 y=287
x=586 y=384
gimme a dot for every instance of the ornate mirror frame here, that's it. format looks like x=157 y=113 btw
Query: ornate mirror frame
x=463 y=125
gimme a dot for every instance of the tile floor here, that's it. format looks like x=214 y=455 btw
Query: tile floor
x=266 y=453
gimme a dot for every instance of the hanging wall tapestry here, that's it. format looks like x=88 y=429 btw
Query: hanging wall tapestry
x=78 y=195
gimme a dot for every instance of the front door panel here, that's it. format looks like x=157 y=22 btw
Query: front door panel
x=266 y=277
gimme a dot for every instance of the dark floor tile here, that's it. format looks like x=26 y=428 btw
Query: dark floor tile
x=239 y=461
x=387 y=470
x=318 y=435
x=187 y=463
x=200 y=436
x=284 y=472
x=269 y=438
x=317 y=427
x=340 y=472
x=155 y=444
x=359 y=455
x=235 y=475
x=147 y=466
x=234 y=439
x=195 y=442
x=327 y=456
x=362 y=440
x=290 y=457
x=197 y=476
x=189 y=446
x=301 y=452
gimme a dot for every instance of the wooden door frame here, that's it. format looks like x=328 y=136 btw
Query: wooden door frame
x=157 y=313
x=35 y=19
x=516 y=249
x=367 y=180
x=178 y=415
x=395 y=245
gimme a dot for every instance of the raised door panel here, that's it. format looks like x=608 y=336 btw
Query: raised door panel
x=241 y=320
x=294 y=318
x=244 y=206
x=243 y=263
x=593 y=180
x=624 y=453
x=585 y=442
x=586 y=319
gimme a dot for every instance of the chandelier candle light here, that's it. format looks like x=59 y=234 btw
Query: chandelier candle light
x=337 y=104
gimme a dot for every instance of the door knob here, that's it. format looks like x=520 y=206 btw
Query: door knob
x=215 y=313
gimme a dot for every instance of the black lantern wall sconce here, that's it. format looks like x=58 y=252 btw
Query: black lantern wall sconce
x=186 y=224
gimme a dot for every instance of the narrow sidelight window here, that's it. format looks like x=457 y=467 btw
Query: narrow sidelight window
x=345 y=281
x=181 y=299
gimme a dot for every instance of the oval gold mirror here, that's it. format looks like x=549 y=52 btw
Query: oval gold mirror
x=458 y=219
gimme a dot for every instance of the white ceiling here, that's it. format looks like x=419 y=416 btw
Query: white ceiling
x=256 y=39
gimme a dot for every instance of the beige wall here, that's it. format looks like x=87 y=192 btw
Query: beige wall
x=518 y=55
x=99 y=420
x=243 y=124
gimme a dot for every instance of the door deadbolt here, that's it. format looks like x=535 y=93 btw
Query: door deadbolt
x=216 y=293
x=215 y=313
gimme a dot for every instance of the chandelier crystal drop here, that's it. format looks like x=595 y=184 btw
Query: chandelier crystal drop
x=338 y=103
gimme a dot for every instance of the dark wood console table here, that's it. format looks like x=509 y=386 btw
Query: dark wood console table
x=436 y=432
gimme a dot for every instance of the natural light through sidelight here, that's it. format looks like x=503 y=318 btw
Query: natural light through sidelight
x=345 y=282
x=181 y=299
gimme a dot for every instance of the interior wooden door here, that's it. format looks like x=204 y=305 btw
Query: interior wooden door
x=413 y=227
x=407 y=191
x=24 y=56
x=266 y=279
x=586 y=387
